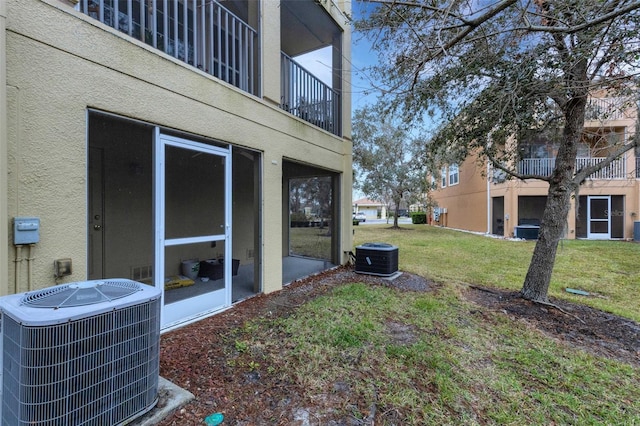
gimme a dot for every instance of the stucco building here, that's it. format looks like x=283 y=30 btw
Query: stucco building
x=474 y=197
x=145 y=137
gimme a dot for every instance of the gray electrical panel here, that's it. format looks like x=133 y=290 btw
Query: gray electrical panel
x=26 y=230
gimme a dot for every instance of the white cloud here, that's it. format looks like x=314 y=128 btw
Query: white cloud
x=318 y=63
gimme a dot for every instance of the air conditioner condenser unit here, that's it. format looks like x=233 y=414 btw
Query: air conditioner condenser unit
x=83 y=353
x=377 y=259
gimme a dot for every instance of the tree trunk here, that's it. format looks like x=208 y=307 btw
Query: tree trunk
x=556 y=211
x=536 y=283
x=395 y=215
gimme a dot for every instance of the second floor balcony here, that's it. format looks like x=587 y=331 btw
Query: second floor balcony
x=308 y=98
x=544 y=167
x=610 y=109
x=203 y=34
x=215 y=36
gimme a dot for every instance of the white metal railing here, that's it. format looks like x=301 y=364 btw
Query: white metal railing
x=201 y=33
x=305 y=96
x=536 y=166
x=615 y=170
x=545 y=166
x=606 y=108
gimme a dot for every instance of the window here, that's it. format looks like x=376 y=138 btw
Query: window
x=454 y=176
x=443 y=177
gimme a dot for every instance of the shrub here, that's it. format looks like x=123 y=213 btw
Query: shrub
x=299 y=220
x=418 y=217
x=298 y=217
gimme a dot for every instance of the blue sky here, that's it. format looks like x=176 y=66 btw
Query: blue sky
x=319 y=63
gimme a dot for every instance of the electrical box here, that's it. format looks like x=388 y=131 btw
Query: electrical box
x=26 y=230
x=62 y=267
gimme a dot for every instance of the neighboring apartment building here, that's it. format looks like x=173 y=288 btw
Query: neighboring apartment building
x=147 y=136
x=473 y=197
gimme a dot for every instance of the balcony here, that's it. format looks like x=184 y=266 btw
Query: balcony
x=308 y=98
x=201 y=33
x=607 y=108
x=544 y=167
x=217 y=40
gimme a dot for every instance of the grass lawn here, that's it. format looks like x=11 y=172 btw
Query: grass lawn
x=608 y=269
x=431 y=358
x=311 y=242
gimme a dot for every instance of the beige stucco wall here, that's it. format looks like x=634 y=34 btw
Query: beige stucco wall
x=60 y=62
x=270 y=47
x=4 y=274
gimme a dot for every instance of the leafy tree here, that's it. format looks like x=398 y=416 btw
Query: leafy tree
x=313 y=192
x=498 y=73
x=385 y=156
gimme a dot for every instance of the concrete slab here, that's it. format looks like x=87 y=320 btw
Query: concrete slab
x=393 y=276
x=170 y=398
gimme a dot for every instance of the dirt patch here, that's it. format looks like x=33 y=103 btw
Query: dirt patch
x=401 y=334
x=198 y=357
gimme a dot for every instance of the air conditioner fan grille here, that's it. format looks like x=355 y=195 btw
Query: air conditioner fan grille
x=80 y=294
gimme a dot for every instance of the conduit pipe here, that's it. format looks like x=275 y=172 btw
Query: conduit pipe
x=30 y=258
x=18 y=261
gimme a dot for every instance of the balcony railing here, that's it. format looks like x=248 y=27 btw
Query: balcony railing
x=201 y=33
x=544 y=167
x=305 y=96
x=606 y=108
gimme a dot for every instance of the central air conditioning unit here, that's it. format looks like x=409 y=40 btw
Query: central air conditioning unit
x=377 y=259
x=526 y=232
x=83 y=353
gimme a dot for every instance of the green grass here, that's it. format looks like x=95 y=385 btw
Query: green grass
x=311 y=242
x=608 y=269
x=434 y=359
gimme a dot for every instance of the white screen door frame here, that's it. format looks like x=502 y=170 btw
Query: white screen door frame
x=188 y=309
x=599 y=217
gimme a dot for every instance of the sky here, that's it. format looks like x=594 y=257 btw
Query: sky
x=319 y=64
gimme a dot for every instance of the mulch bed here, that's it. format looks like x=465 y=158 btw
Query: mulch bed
x=196 y=357
x=580 y=326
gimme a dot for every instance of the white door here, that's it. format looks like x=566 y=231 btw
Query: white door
x=598 y=218
x=193 y=225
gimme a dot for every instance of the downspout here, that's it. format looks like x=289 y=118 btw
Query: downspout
x=4 y=233
x=488 y=197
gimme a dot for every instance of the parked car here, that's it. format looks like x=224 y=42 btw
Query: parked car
x=360 y=217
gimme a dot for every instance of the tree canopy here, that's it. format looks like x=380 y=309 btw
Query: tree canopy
x=385 y=158
x=495 y=73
